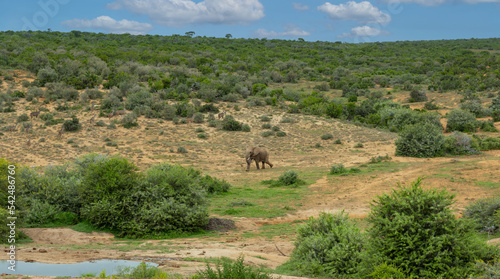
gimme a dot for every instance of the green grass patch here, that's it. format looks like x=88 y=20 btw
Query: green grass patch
x=259 y=201
x=488 y=184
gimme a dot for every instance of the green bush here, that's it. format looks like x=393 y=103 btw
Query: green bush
x=415 y=230
x=23 y=118
x=461 y=120
x=40 y=212
x=289 y=178
x=198 y=118
x=487 y=126
x=421 y=141
x=459 y=144
x=72 y=125
x=328 y=246
x=265 y=118
x=280 y=134
x=266 y=126
x=418 y=95
x=230 y=124
x=245 y=128
x=326 y=136
x=232 y=270
x=484 y=213
x=275 y=128
x=181 y=149
x=267 y=134
x=475 y=107
x=385 y=271
x=129 y=120
x=338 y=169
x=489 y=143
x=202 y=136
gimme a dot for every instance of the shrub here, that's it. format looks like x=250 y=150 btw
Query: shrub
x=421 y=141
x=461 y=120
x=326 y=136
x=229 y=269
x=267 y=134
x=230 y=124
x=280 y=134
x=484 y=213
x=289 y=178
x=46 y=116
x=475 y=107
x=40 y=212
x=379 y=159
x=198 y=118
x=459 y=144
x=245 y=128
x=265 y=118
x=418 y=95
x=287 y=120
x=72 y=125
x=202 y=136
x=209 y=108
x=266 y=126
x=181 y=149
x=412 y=228
x=129 y=120
x=199 y=130
x=359 y=145
x=490 y=143
x=275 y=128
x=338 y=169
x=337 y=141
x=327 y=246
x=431 y=105
x=487 y=126
x=23 y=118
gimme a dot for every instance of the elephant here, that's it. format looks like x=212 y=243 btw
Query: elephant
x=258 y=154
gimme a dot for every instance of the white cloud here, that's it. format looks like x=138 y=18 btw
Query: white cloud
x=363 y=31
x=182 y=12
x=291 y=30
x=300 y=7
x=438 y=2
x=363 y=12
x=109 y=24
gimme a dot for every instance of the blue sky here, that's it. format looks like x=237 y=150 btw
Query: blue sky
x=312 y=20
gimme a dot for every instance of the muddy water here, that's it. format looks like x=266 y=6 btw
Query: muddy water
x=73 y=270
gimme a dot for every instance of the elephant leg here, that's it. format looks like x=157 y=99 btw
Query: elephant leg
x=257 y=164
x=248 y=166
x=263 y=165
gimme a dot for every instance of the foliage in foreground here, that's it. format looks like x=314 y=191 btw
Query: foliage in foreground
x=330 y=245
x=224 y=269
x=111 y=193
x=414 y=230
x=485 y=214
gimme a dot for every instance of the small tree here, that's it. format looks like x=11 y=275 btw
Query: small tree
x=329 y=245
x=230 y=124
x=461 y=120
x=415 y=230
x=421 y=140
x=418 y=95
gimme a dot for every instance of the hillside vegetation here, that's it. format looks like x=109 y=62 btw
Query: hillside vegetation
x=144 y=136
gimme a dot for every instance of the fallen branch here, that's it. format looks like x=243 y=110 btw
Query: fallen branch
x=279 y=250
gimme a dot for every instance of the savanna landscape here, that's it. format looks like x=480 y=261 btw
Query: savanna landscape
x=133 y=147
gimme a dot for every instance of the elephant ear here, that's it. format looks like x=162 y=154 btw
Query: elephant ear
x=256 y=151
